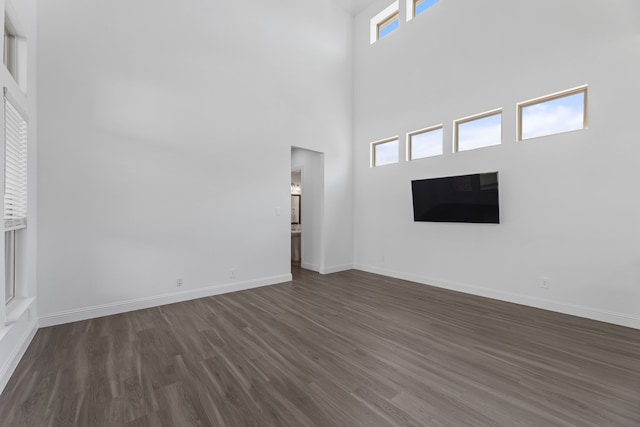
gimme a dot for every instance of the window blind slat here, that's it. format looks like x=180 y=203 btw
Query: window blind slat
x=15 y=179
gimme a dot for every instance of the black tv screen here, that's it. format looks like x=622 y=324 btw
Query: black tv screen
x=465 y=198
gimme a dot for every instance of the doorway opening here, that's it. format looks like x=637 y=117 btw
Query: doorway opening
x=307 y=198
x=296 y=218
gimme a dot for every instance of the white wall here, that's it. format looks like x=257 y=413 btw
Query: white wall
x=569 y=203
x=18 y=320
x=166 y=133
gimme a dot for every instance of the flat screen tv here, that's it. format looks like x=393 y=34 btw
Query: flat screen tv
x=464 y=198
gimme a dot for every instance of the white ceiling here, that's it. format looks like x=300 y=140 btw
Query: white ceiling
x=356 y=6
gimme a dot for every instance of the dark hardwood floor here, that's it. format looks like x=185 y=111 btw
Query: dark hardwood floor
x=347 y=349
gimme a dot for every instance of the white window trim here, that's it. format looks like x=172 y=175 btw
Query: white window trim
x=11 y=253
x=392 y=9
x=410 y=11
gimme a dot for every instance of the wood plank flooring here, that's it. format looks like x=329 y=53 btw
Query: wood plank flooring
x=348 y=349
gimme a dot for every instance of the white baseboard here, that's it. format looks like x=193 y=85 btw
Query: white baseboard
x=16 y=354
x=336 y=268
x=309 y=266
x=154 y=301
x=592 y=313
x=326 y=270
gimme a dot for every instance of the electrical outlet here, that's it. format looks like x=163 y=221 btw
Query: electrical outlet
x=545 y=282
x=179 y=281
x=233 y=273
x=382 y=259
x=277 y=211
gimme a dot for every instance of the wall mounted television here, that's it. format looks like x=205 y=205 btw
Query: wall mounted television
x=465 y=198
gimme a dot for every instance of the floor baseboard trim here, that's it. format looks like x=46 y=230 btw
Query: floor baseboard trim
x=75 y=315
x=621 y=319
x=309 y=266
x=336 y=268
x=17 y=353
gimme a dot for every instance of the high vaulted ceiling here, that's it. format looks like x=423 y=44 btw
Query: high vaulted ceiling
x=356 y=6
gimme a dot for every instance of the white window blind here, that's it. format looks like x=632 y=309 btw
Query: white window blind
x=15 y=168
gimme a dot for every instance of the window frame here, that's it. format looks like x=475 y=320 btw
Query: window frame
x=16 y=226
x=382 y=142
x=410 y=136
x=19 y=293
x=10 y=258
x=584 y=89
x=468 y=119
x=386 y=22
x=15 y=45
x=9 y=56
x=388 y=15
x=412 y=8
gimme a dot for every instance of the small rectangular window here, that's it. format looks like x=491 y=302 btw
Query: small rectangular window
x=10 y=48
x=419 y=6
x=481 y=130
x=389 y=25
x=385 y=22
x=425 y=143
x=385 y=152
x=557 y=113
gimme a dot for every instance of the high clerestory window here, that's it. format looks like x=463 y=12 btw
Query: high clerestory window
x=385 y=152
x=416 y=7
x=14 y=54
x=9 y=57
x=385 y=22
x=388 y=25
x=425 y=143
x=477 y=131
x=556 y=113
